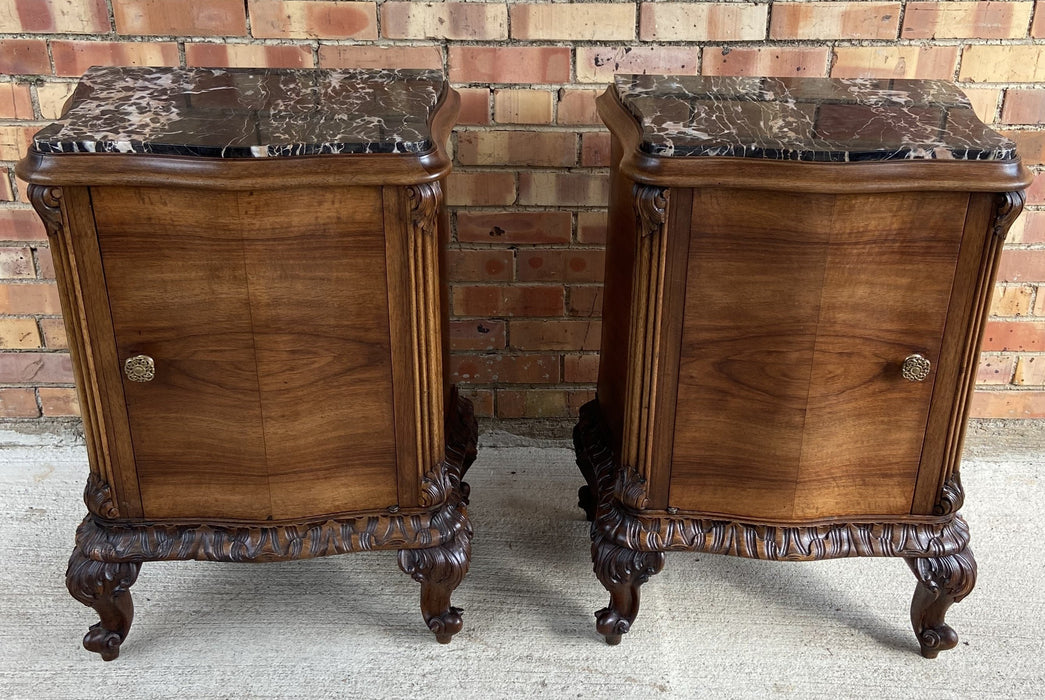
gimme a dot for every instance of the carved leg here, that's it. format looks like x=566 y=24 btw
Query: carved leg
x=942 y=581
x=440 y=570
x=104 y=586
x=621 y=571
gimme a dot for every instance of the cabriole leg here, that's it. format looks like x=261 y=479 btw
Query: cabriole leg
x=440 y=570
x=104 y=586
x=942 y=581
x=621 y=571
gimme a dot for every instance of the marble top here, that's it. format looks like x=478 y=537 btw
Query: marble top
x=808 y=119
x=246 y=112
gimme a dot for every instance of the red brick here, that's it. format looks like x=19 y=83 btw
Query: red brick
x=52 y=97
x=312 y=19
x=591 y=227
x=935 y=62
x=21 y=225
x=514 y=227
x=1014 y=336
x=35 y=368
x=702 y=21
x=984 y=102
x=1008 y=404
x=563 y=189
x=54 y=17
x=54 y=333
x=481 y=265
x=15 y=101
x=532 y=148
x=1030 y=144
x=575 y=398
x=598 y=64
x=1032 y=229
x=517 y=300
x=380 y=56
x=595 y=149
x=554 y=335
x=180 y=17
x=589 y=21
x=1039 y=302
x=1011 y=301
x=477 y=334
x=480 y=189
x=584 y=301
x=580 y=369
x=578 y=107
x=19 y=334
x=16 y=263
x=473 y=21
x=835 y=20
x=1023 y=106
x=248 y=55
x=18 y=403
x=509 y=64
x=995 y=369
x=475 y=106
x=45 y=263
x=532 y=403
x=523 y=106
x=960 y=20
x=1030 y=371
x=75 y=57
x=24 y=57
x=15 y=139
x=558 y=265
x=1038 y=28
x=769 y=61
x=59 y=401
x=1036 y=191
x=1003 y=63
x=482 y=400
x=29 y=298
x=504 y=369
x=1022 y=266
x=7 y=193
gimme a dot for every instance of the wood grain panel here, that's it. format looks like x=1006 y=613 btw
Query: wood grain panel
x=886 y=291
x=314 y=262
x=173 y=263
x=754 y=282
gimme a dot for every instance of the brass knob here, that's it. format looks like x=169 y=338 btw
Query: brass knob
x=916 y=368
x=140 y=368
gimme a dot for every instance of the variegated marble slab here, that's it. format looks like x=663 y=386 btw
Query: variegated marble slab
x=246 y=112
x=808 y=119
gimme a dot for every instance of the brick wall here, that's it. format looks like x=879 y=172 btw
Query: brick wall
x=531 y=178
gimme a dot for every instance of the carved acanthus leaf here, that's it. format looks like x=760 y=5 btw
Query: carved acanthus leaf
x=424 y=206
x=1010 y=204
x=47 y=201
x=651 y=206
x=952 y=496
x=97 y=494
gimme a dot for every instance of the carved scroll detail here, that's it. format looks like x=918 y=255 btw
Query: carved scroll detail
x=1010 y=204
x=440 y=570
x=651 y=207
x=47 y=203
x=952 y=496
x=942 y=581
x=641 y=532
x=98 y=497
x=621 y=571
x=425 y=329
x=104 y=586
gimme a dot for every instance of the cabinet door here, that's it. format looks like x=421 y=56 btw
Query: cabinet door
x=800 y=310
x=267 y=318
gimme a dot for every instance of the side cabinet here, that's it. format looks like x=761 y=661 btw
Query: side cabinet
x=258 y=329
x=795 y=298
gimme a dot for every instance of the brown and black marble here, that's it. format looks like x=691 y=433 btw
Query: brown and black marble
x=246 y=112
x=808 y=119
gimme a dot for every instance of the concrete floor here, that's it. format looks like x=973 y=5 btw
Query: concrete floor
x=349 y=626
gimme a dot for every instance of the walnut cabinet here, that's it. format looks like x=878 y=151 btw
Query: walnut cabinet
x=252 y=276
x=797 y=277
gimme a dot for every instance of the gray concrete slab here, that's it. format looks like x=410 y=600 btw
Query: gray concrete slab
x=349 y=626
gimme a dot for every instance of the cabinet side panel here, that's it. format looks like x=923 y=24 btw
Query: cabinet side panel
x=888 y=281
x=756 y=266
x=314 y=260
x=174 y=267
x=85 y=309
x=959 y=354
x=616 y=304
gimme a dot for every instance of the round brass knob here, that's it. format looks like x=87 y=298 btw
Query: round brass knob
x=916 y=368
x=140 y=368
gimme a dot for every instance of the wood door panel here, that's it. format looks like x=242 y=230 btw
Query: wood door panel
x=747 y=352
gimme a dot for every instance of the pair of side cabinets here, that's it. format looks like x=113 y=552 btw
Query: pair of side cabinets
x=252 y=272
